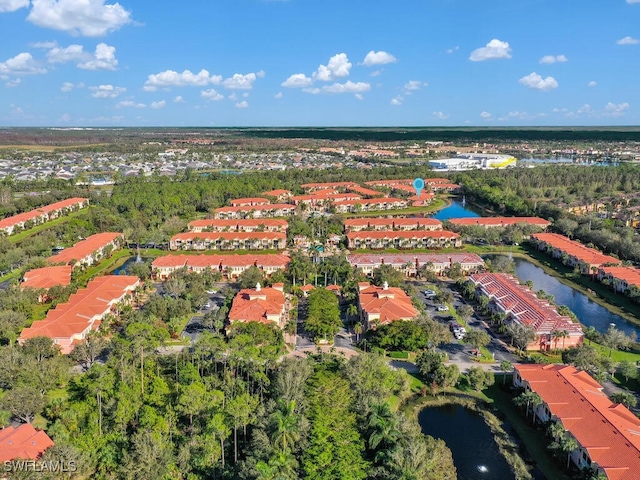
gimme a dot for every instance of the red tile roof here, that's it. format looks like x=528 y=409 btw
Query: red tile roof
x=399 y=259
x=250 y=201
x=221 y=261
x=240 y=224
x=418 y=234
x=367 y=192
x=371 y=201
x=500 y=221
x=609 y=432
x=23 y=442
x=189 y=236
x=47 y=209
x=84 y=248
x=272 y=206
x=47 y=277
x=585 y=254
x=390 y=304
x=252 y=305
x=317 y=186
x=391 y=223
x=277 y=193
x=630 y=275
x=82 y=309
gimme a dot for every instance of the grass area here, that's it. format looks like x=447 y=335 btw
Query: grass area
x=47 y=148
x=597 y=292
x=116 y=259
x=616 y=355
x=534 y=440
x=18 y=237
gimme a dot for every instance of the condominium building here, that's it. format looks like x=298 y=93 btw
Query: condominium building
x=403 y=239
x=228 y=241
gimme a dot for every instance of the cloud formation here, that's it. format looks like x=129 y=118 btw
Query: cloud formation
x=413 y=85
x=549 y=59
x=242 y=104
x=90 y=18
x=104 y=58
x=13 y=5
x=616 y=110
x=628 y=41
x=171 y=78
x=495 y=49
x=592 y=83
x=485 y=115
x=378 y=58
x=158 y=105
x=21 y=64
x=338 y=67
x=297 y=80
x=106 y=91
x=536 y=82
x=68 y=86
x=240 y=81
x=347 y=87
x=212 y=95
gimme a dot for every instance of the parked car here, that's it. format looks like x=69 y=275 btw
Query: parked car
x=429 y=293
x=442 y=308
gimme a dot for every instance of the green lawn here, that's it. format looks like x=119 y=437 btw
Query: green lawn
x=534 y=440
x=18 y=237
x=116 y=259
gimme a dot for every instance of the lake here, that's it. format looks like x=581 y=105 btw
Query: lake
x=475 y=453
x=455 y=210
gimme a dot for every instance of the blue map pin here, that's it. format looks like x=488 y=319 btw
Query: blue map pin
x=418 y=184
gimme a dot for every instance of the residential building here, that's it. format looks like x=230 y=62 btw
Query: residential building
x=425 y=198
x=41 y=215
x=410 y=264
x=280 y=195
x=23 y=442
x=383 y=305
x=370 y=205
x=358 y=224
x=324 y=199
x=47 y=277
x=312 y=187
x=249 y=202
x=606 y=433
x=264 y=305
x=239 y=225
x=228 y=241
x=89 y=250
x=231 y=266
x=256 y=211
x=403 y=239
x=519 y=304
x=365 y=192
x=499 y=222
x=69 y=323
x=571 y=253
x=622 y=279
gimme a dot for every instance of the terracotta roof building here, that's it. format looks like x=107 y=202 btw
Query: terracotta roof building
x=239 y=225
x=607 y=433
x=248 y=202
x=312 y=187
x=370 y=205
x=518 y=303
x=622 y=279
x=43 y=214
x=264 y=305
x=488 y=222
x=403 y=239
x=257 y=211
x=409 y=264
x=383 y=305
x=47 y=277
x=231 y=266
x=23 y=442
x=228 y=241
x=571 y=253
x=69 y=323
x=358 y=224
x=280 y=195
x=88 y=251
x=365 y=192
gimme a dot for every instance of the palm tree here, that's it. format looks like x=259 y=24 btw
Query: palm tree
x=568 y=445
x=357 y=329
x=556 y=430
x=352 y=310
x=528 y=399
x=285 y=424
x=384 y=430
x=556 y=334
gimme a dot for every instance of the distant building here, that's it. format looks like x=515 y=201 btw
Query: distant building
x=403 y=239
x=499 y=222
x=230 y=266
x=23 y=442
x=472 y=161
x=239 y=225
x=89 y=250
x=280 y=195
x=41 y=215
x=606 y=433
x=257 y=211
x=370 y=205
x=369 y=223
x=249 y=202
x=228 y=241
x=264 y=305
x=383 y=305
x=572 y=253
x=410 y=264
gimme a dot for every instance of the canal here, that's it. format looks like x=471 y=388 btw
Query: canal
x=588 y=312
x=456 y=210
x=475 y=452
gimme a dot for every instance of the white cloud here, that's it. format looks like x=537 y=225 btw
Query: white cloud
x=628 y=41
x=633 y=1
x=13 y=83
x=91 y=18
x=297 y=80
x=454 y=49
x=212 y=95
x=615 y=110
x=549 y=59
x=413 y=85
x=525 y=116
x=106 y=91
x=104 y=58
x=536 y=82
x=338 y=67
x=68 y=86
x=278 y=95
x=593 y=83
x=13 y=5
x=157 y=105
x=72 y=53
x=440 y=115
x=21 y=64
x=485 y=115
x=45 y=45
x=493 y=50
x=375 y=73
x=240 y=81
x=586 y=108
x=261 y=74
x=359 y=96
x=178 y=99
x=397 y=100
x=378 y=58
x=347 y=87
x=130 y=103
x=242 y=104
x=170 y=78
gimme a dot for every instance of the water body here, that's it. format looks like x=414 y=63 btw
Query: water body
x=122 y=269
x=588 y=312
x=455 y=210
x=475 y=453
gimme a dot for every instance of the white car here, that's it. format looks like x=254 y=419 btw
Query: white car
x=443 y=308
x=429 y=293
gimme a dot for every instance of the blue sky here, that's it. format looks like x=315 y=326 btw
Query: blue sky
x=319 y=63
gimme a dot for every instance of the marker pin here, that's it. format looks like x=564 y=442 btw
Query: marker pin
x=418 y=184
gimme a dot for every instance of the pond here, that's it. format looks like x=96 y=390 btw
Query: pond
x=475 y=453
x=456 y=210
x=588 y=312
x=122 y=269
